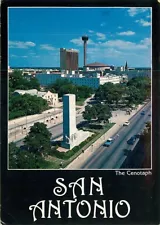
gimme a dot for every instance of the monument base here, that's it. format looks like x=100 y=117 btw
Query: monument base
x=81 y=136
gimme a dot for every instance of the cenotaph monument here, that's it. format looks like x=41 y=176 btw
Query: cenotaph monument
x=71 y=135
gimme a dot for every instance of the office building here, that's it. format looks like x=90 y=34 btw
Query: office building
x=68 y=59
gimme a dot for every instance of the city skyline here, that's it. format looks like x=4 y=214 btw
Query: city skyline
x=117 y=35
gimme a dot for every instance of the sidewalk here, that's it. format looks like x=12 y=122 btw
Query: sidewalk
x=119 y=120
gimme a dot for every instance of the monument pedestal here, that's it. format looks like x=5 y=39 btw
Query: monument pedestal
x=80 y=137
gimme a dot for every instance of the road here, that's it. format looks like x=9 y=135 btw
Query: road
x=56 y=130
x=32 y=119
x=113 y=156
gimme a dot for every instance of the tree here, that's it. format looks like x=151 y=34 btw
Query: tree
x=19 y=81
x=103 y=113
x=34 y=83
x=23 y=159
x=38 y=139
x=98 y=111
x=89 y=113
x=110 y=93
x=64 y=86
x=13 y=160
x=21 y=105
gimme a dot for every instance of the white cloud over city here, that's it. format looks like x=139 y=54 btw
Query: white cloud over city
x=143 y=23
x=47 y=47
x=134 y=11
x=126 y=33
x=21 y=44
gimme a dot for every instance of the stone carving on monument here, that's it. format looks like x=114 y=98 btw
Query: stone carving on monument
x=67 y=139
x=75 y=136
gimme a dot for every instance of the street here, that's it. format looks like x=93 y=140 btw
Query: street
x=112 y=157
x=56 y=130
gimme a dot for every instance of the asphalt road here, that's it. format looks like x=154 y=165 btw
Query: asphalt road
x=57 y=131
x=31 y=120
x=113 y=156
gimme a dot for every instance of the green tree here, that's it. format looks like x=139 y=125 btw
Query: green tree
x=34 y=84
x=21 y=105
x=23 y=159
x=100 y=112
x=64 y=86
x=19 y=81
x=103 y=112
x=110 y=93
x=90 y=113
x=13 y=159
x=38 y=139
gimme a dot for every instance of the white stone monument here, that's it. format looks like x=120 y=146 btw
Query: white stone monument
x=71 y=135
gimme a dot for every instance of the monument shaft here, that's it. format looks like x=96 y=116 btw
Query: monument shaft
x=69 y=116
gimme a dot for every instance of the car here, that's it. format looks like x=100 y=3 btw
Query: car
x=108 y=142
x=126 y=123
x=143 y=113
x=149 y=114
x=132 y=140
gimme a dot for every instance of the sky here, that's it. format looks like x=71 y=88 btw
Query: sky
x=116 y=35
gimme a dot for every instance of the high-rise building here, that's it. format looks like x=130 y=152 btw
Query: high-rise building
x=68 y=59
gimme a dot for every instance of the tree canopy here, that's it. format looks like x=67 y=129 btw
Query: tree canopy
x=21 y=105
x=19 y=81
x=38 y=139
x=135 y=92
x=23 y=159
x=64 y=86
x=98 y=112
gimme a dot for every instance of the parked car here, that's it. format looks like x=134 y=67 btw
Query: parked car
x=126 y=123
x=108 y=142
x=132 y=140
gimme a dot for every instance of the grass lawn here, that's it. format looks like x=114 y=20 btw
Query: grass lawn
x=54 y=162
x=80 y=102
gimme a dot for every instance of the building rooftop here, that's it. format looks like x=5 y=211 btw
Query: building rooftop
x=96 y=64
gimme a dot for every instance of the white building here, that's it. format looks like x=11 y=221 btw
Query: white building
x=112 y=79
x=52 y=98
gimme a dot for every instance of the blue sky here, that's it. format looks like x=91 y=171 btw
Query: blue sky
x=115 y=35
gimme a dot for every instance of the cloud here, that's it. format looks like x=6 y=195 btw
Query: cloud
x=126 y=33
x=127 y=45
x=91 y=31
x=24 y=56
x=101 y=36
x=102 y=24
x=143 y=23
x=79 y=42
x=119 y=27
x=118 y=50
x=13 y=56
x=47 y=47
x=134 y=11
x=21 y=44
x=148 y=16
